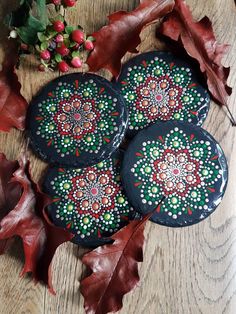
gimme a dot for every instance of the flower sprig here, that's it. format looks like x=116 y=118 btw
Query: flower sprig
x=56 y=44
x=61 y=46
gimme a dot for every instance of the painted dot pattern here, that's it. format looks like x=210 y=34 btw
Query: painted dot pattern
x=89 y=202
x=157 y=86
x=77 y=120
x=181 y=162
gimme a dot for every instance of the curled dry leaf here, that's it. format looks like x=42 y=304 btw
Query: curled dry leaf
x=9 y=193
x=199 y=41
x=115 y=269
x=123 y=34
x=13 y=105
x=29 y=221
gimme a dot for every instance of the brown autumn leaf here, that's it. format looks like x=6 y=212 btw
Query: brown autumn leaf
x=122 y=34
x=13 y=105
x=115 y=269
x=29 y=221
x=199 y=41
x=9 y=192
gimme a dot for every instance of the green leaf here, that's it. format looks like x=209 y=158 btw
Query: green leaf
x=44 y=45
x=58 y=58
x=41 y=9
x=58 y=18
x=72 y=44
x=28 y=33
x=42 y=37
x=67 y=42
x=75 y=54
x=91 y=38
x=51 y=33
x=29 y=22
x=69 y=29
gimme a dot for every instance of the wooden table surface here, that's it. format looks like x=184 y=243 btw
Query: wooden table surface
x=188 y=270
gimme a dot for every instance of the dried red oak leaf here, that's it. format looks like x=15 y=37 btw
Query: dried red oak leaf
x=199 y=41
x=115 y=269
x=9 y=192
x=13 y=105
x=122 y=34
x=29 y=221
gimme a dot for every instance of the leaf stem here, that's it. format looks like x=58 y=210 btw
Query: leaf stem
x=231 y=117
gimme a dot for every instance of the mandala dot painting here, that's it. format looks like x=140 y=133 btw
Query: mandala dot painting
x=90 y=202
x=157 y=86
x=180 y=162
x=77 y=120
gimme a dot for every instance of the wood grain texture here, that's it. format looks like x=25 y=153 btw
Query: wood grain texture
x=190 y=270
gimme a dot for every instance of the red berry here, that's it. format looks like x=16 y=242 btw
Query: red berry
x=45 y=55
x=56 y=2
x=24 y=47
x=69 y=3
x=59 y=38
x=41 y=68
x=89 y=45
x=77 y=36
x=76 y=62
x=58 y=26
x=62 y=50
x=63 y=66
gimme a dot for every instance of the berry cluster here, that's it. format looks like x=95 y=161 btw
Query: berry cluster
x=57 y=45
x=61 y=46
x=65 y=3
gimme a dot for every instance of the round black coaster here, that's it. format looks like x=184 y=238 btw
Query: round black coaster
x=178 y=161
x=158 y=86
x=77 y=120
x=89 y=202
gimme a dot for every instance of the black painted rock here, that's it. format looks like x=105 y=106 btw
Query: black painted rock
x=77 y=120
x=158 y=86
x=181 y=162
x=90 y=202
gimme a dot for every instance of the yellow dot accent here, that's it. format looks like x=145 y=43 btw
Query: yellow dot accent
x=154 y=189
x=140 y=78
x=174 y=200
x=107 y=216
x=148 y=169
x=177 y=115
x=176 y=144
x=66 y=186
x=86 y=220
x=155 y=153
x=51 y=127
x=70 y=207
x=121 y=200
